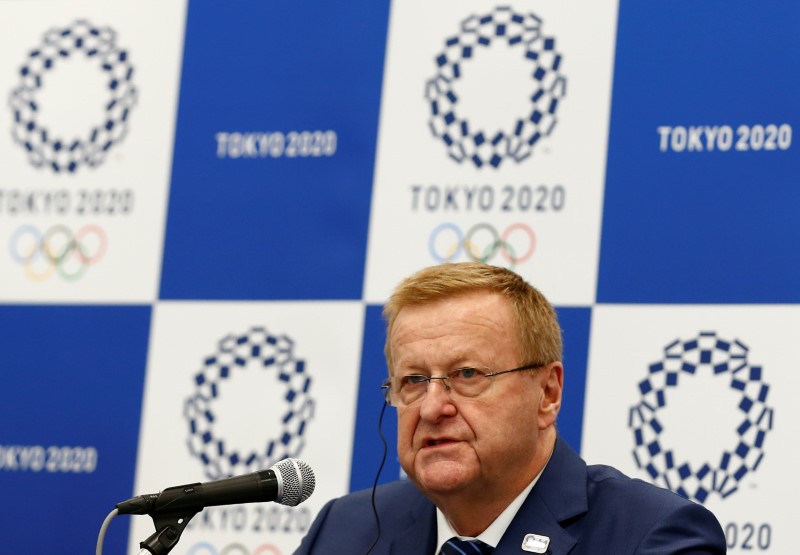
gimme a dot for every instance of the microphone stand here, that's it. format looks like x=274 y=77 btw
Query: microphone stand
x=169 y=527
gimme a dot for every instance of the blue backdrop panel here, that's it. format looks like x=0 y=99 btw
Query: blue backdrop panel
x=686 y=225
x=284 y=225
x=84 y=400
x=367 y=447
x=575 y=324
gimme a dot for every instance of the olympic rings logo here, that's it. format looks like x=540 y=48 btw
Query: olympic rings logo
x=57 y=250
x=205 y=548
x=482 y=242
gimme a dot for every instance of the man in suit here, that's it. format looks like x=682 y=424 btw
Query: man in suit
x=474 y=357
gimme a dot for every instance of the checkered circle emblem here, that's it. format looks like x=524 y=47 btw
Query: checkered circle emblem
x=48 y=147
x=521 y=33
x=683 y=359
x=256 y=350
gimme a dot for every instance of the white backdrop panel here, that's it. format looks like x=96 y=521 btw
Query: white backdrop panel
x=90 y=95
x=722 y=358
x=467 y=87
x=309 y=416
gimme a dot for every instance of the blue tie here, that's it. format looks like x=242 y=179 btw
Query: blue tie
x=455 y=546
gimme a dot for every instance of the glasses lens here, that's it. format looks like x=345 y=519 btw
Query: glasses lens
x=469 y=382
x=410 y=388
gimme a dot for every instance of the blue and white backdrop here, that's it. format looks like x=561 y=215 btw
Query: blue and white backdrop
x=204 y=205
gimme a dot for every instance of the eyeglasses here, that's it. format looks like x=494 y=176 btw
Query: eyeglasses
x=401 y=391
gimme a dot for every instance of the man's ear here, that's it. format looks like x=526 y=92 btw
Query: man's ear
x=552 y=381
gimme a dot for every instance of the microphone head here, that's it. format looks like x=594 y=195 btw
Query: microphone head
x=296 y=481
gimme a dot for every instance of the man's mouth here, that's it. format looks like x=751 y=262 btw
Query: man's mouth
x=435 y=442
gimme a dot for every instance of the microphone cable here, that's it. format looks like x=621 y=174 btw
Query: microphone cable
x=377 y=476
x=102 y=535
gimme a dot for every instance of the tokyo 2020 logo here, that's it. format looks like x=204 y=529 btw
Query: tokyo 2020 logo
x=523 y=36
x=668 y=466
x=49 y=147
x=265 y=366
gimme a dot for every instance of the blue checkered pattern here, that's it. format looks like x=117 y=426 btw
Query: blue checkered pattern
x=273 y=186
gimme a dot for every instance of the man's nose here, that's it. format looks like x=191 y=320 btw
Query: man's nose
x=444 y=382
x=437 y=401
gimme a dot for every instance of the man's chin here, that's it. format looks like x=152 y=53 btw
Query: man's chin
x=442 y=477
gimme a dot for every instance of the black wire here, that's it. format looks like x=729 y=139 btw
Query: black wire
x=377 y=476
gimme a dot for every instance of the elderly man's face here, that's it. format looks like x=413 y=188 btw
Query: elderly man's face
x=474 y=446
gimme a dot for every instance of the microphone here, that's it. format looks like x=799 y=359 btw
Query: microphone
x=288 y=482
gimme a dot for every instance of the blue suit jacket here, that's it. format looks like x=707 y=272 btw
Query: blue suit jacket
x=583 y=510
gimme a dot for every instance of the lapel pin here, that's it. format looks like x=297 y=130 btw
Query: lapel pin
x=534 y=543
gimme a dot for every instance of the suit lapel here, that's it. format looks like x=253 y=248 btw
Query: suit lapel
x=535 y=518
x=420 y=536
x=559 y=495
